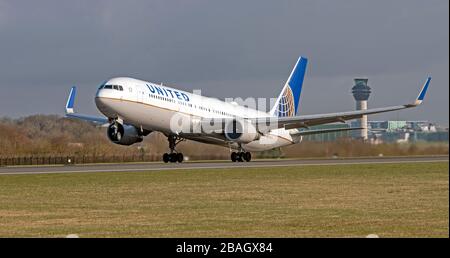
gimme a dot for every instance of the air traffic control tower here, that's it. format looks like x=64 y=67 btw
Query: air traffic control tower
x=361 y=92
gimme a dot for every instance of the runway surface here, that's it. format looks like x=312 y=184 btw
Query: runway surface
x=155 y=166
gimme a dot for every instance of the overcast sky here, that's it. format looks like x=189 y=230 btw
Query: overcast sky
x=227 y=49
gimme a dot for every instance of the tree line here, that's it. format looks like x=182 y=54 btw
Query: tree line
x=56 y=135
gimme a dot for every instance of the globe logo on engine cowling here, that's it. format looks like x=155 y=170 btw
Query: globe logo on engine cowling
x=286 y=105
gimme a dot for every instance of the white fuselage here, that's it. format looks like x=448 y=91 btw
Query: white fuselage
x=151 y=106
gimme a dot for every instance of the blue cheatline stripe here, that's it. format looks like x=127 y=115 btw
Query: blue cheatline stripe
x=296 y=81
x=73 y=92
x=424 y=90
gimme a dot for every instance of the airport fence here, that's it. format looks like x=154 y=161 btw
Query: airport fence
x=89 y=159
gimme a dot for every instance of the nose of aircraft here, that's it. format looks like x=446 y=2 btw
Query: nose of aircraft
x=100 y=100
x=106 y=94
x=100 y=89
x=104 y=104
x=100 y=93
x=107 y=90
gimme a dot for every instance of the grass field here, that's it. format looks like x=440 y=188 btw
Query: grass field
x=390 y=200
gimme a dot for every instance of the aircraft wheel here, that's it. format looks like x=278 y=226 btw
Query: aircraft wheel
x=247 y=156
x=180 y=157
x=234 y=156
x=166 y=157
x=173 y=157
x=240 y=157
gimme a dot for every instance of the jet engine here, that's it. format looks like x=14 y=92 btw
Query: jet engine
x=241 y=131
x=125 y=134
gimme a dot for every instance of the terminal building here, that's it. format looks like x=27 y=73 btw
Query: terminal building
x=404 y=131
x=386 y=132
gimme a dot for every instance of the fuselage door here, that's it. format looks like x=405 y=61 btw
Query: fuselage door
x=140 y=94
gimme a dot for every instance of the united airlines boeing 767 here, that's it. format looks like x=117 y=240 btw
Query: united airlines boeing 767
x=134 y=108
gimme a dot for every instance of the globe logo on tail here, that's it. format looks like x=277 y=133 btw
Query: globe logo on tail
x=286 y=106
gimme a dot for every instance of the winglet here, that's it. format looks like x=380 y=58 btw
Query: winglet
x=71 y=100
x=422 y=93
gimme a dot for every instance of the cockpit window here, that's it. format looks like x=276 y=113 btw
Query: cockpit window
x=115 y=87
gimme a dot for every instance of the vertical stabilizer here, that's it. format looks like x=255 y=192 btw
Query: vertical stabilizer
x=289 y=99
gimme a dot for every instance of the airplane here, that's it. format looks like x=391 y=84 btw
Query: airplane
x=134 y=108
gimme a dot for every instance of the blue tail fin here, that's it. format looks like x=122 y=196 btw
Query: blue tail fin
x=288 y=101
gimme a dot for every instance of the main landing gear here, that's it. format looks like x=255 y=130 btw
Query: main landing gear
x=173 y=156
x=241 y=156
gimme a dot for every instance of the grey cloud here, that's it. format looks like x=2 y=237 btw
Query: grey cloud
x=228 y=48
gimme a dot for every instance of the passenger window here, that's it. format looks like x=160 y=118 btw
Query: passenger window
x=115 y=87
x=120 y=88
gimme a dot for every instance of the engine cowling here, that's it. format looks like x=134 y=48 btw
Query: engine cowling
x=124 y=134
x=241 y=131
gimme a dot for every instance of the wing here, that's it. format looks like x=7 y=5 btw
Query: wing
x=211 y=138
x=306 y=121
x=331 y=130
x=71 y=114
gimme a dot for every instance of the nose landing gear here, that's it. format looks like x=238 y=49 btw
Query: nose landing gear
x=173 y=156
